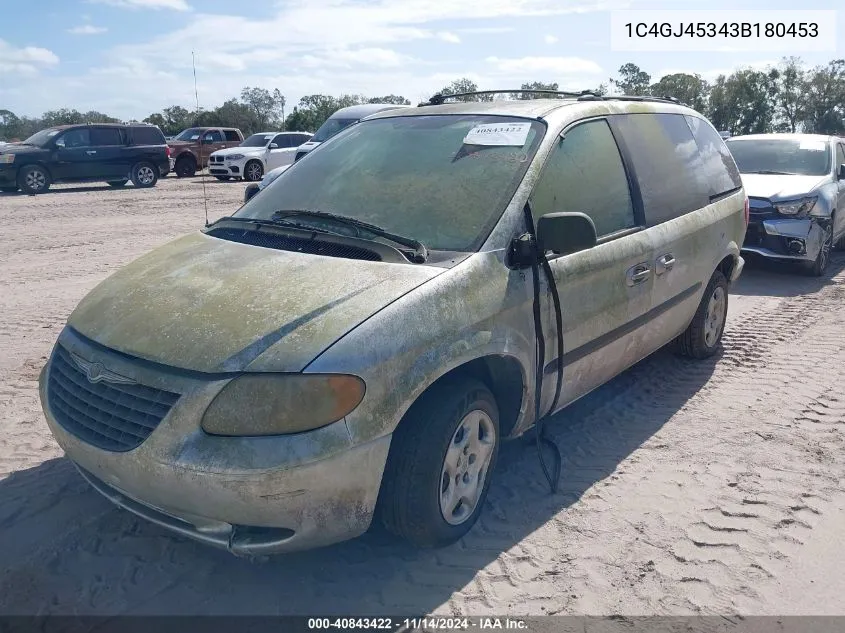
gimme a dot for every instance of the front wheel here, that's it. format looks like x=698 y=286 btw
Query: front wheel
x=438 y=471
x=33 y=179
x=185 y=167
x=817 y=267
x=254 y=171
x=144 y=175
x=704 y=334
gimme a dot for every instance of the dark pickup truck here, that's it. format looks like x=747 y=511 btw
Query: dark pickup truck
x=88 y=152
x=190 y=150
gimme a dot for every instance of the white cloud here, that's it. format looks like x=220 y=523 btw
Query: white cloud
x=486 y=30
x=449 y=37
x=555 y=65
x=550 y=39
x=176 y=5
x=87 y=29
x=24 y=61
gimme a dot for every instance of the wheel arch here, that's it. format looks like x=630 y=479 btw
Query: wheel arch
x=503 y=375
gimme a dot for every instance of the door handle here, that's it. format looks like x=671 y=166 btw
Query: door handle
x=91 y=151
x=665 y=263
x=638 y=274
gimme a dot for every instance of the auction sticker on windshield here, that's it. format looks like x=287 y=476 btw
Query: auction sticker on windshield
x=813 y=146
x=498 y=134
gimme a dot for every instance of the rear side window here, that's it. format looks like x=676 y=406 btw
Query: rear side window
x=231 y=135
x=717 y=173
x=585 y=174
x=665 y=158
x=147 y=135
x=106 y=136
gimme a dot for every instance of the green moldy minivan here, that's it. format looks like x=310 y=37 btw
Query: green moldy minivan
x=357 y=340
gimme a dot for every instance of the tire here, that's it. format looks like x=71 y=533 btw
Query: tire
x=253 y=171
x=144 y=175
x=418 y=479
x=704 y=334
x=818 y=267
x=185 y=167
x=33 y=179
x=117 y=183
x=223 y=178
x=8 y=189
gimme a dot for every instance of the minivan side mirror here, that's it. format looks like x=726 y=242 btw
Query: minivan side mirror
x=841 y=174
x=565 y=233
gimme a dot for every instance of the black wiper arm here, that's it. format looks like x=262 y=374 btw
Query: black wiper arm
x=769 y=172
x=420 y=251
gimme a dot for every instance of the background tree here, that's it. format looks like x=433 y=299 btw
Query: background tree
x=790 y=94
x=825 y=99
x=394 y=99
x=743 y=102
x=689 y=89
x=534 y=85
x=463 y=85
x=632 y=80
x=266 y=107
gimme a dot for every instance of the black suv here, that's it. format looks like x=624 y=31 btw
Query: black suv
x=114 y=153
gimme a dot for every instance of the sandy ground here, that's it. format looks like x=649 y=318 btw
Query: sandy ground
x=688 y=488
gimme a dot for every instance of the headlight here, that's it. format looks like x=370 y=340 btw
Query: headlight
x=796 y=207
x=235 y=157
x=5 y=159
x=280 y=404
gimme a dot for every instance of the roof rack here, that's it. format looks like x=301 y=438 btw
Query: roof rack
x=584 y=95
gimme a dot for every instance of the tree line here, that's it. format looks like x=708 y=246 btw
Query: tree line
x=787 y=97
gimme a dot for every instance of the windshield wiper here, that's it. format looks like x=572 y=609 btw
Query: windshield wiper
x=769 y=172
x=420 y=252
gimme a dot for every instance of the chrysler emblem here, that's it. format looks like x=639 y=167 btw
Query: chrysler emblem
x=95 y=372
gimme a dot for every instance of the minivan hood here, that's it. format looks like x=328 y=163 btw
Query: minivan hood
x=776 y=187
x=207 y=304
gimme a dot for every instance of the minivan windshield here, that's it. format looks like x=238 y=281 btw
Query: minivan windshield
x=39 y=139
x=782 y=156
x=191 y=134
x=444 y=180
x=330 y=128
x=257 y=140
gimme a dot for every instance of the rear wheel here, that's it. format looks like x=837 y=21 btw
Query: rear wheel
x=704 y=334
x=33 y=179
x=144 y=175
x=253 y=171
x=441 y=457
x=185 y=167
x=117 y=183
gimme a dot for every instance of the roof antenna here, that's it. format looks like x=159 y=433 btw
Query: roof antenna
x=202 y=175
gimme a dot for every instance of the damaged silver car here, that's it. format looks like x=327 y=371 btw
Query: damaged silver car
x=358 y=340
x=796 y=187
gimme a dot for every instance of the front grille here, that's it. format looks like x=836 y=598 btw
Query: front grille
x=111 y=416
x=296 y=244
x=216 y=159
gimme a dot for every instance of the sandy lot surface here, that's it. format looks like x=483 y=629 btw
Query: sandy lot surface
x=688 y=488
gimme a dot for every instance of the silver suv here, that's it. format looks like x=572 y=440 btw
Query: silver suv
x=796 y=187
x=358 y=340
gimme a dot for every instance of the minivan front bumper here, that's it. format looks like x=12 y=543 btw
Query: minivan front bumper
x=785 y=238
x=250 y=496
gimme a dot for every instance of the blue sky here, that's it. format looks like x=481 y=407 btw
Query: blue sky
x=132 y=57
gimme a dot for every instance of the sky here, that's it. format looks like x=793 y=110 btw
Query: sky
x=130 y=58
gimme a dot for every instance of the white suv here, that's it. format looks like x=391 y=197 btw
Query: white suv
x=257 y=154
